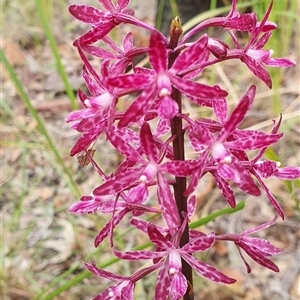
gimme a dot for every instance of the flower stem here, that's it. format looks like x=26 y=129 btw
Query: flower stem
x=179 y=188
x=178 y=149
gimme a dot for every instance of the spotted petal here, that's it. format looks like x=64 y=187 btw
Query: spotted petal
x=206 y=270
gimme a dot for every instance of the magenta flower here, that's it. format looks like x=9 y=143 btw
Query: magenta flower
x=252 y=54
x=118 y=205
x=99 y=108
x=159 y=83
x=104 y=21
x=258 y=249
x=226 y=150
x=255 y=58
x=171 y=282
x=146 y=171
x=122 y=57
x=270 y=168
x=124 y=208
x=125 y=288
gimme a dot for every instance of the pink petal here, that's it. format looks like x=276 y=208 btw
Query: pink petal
x=262 y=245
x=280 y=62
x=128 y=292
x=259 y=257
x=244 y=22
x=130 y=81
x=122 y=4
x=163 y=281
x=92 y=124
x=109 y=226
x=158 y=52
x=115 y=137
x=96 y=34
x=257 y=69
x=199 y=136
x=240 y=176
x=206 y=270
x=127 y=42
x=197 y=175
x=167 y=203
x=108 y=5
x=260 y=28
x=178 y=286
x=180 y=168
x=225 y=189
x=143 y=226
x=191 y=205
x=103 y=273
x=254 y=142
x=139 y=107
x=163 y=127
x=148 y=142
x=191 y=88
x=119 y=182
x=265 y=168
x=138 y=194
x=85 y=141
x=88 y=14
x=201 y=243
x=157 y=238
x=288 y=173
x=98 y=52
x=168 y=108
x=191 y=54
x=220 y=108
x=238 y=114
x=94 y=88
x=272 y=199
x=260 y=227
x=261 y=42
x=80 y=114
x=91 y=205
x=139 y=255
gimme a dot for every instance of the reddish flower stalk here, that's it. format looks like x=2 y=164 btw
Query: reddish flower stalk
x=178 y=149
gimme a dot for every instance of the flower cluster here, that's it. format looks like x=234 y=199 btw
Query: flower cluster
x=151 y=134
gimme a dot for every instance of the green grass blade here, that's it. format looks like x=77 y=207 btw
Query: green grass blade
x=16 y=215
x=56 y=55
x=72 y=184
x=174 y=8
x=159 y=14
x=213 y=4
x=216 y=214
x=160 y=10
